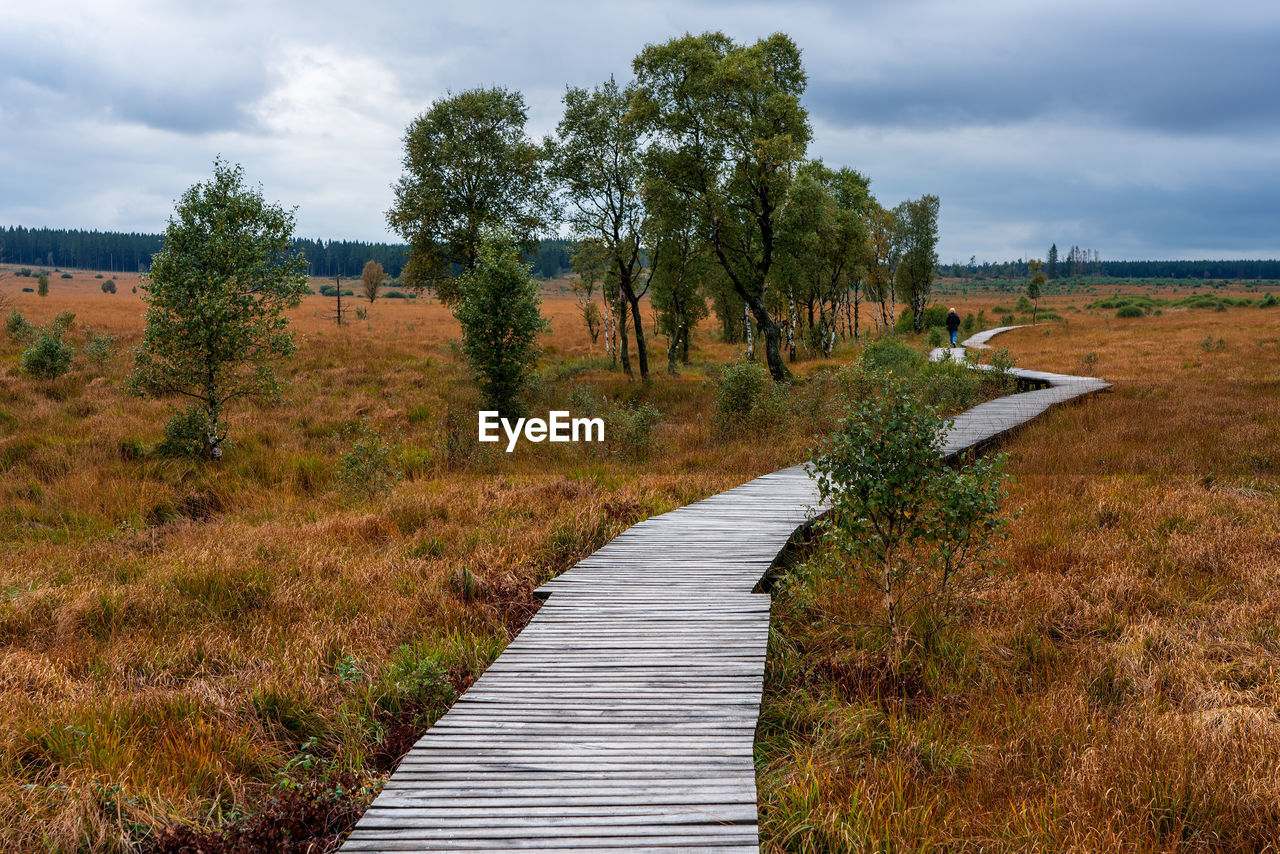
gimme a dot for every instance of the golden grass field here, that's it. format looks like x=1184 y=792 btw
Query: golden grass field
x=172 y=633
x=1115 y=687
x=175 y=637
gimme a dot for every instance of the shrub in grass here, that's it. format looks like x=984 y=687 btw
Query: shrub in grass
x=934 y=315
x=907 y=524
x=892 y=355
x=109 y=286
x=1002 y=360
x=185 y=434
x=49 y=357
x=935 y=337
x=98 y=348
x=1126 y=311
x=42 y=284
x=63 y=321
x=367 y=469
x=747 y=398
x=18 y=327
x=629 y=429
x=66 y=275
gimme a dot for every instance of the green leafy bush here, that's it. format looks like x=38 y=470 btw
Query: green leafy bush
x=63 y=322
x=42 y=284
x=747 y=398
x=629 y=429
x=500 y=314
x=98 y=348
x=109 y=286
x=934 y=315
x=892 y=355
x=368 y=468
x=1129 y=311
x=906 y=523
x=49 y=357
x=18 y=327
x=186 y=434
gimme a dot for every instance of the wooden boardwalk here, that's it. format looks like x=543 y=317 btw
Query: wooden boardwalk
x=623 y=717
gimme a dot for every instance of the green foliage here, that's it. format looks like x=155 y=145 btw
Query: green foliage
x=1023 y=304
x=729 y=132
x=951 y=386
x=1002 y=360
x=901 y=518
x=823 y=232
x=42 y=285
x=1035 y=286
x=186 y=434
x=367 y=470
x=371 y=279
x=892 y=355
x=18 y=327
x=629 y=429
x=215 y=322
x=916 y=242
x=499 y=309
x=109 y=286
x=934 y=315
x=49 y=357
x=1268 y=301
x=66 y=276
x=332 y=291
x=746 y=399
x=98 y=348
x=597 y=160
x=63 y=321
x=468 y=169
x=935 y=337
x=1129 y=311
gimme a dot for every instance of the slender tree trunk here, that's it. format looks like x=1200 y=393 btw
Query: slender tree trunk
x=746 y=325
x=853 y=298
x=613 y=334
x=622 y=336
x=673 y=346
x=642 y=352
x=794 y=318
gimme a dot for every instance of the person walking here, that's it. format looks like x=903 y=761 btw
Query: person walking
x=953 y=325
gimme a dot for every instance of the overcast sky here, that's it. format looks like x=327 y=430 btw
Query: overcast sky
x=1140 y=129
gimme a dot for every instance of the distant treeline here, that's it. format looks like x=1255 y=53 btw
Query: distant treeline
x=1243 y=269
x=130 y=252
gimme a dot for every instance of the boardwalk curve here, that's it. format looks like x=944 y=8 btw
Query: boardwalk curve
x=623 y=717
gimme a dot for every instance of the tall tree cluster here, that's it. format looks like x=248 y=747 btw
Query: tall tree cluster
x=691 y=185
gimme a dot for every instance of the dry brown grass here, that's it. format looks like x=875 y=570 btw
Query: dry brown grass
x=1117 y=688
x=173 y=634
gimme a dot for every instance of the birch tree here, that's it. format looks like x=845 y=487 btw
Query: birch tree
x=468 y=168
x=730 y=132
x=216 y=295
x=596 y=160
